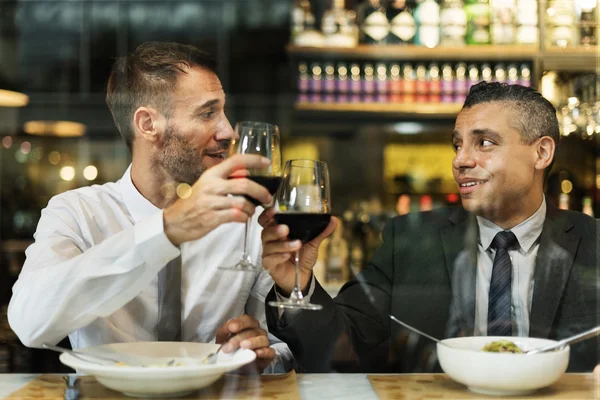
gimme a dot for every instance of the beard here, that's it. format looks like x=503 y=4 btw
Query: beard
x=182 y=162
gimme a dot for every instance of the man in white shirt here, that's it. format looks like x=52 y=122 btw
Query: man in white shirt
x=93 y=271
x=508 y=263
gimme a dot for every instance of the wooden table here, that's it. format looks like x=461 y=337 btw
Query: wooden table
x=351 y=386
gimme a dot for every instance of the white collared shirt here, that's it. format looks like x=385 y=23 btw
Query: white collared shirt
x=92 y=273
x=523 y=263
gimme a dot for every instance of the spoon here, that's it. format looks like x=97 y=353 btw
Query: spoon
x=570 y=340
x=417 y=331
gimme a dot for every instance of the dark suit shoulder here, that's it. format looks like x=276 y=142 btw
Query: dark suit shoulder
x=428 y=221
x=580 y=222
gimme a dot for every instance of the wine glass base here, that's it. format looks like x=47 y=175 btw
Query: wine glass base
x=296 y=304
x=243 y=266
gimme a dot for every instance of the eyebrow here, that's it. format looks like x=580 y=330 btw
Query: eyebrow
x=479 y=132
x=206 y=104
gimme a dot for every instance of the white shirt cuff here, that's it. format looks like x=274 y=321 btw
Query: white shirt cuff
x=293 y=311
x=152 y=242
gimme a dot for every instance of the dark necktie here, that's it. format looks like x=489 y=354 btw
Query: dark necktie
x=169 y=302
x=499 y=314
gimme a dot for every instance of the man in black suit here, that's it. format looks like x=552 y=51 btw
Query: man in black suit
x=507 y=263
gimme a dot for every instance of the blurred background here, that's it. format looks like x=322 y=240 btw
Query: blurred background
x=372 y=87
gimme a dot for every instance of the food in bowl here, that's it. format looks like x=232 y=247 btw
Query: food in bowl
x=502 y=346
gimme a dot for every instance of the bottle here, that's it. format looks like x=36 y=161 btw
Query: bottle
x=427 y=15
x=368 y=86
x=525 y=75
x=395 y=84
x=478 y=21
x=307 y=35
x=447 y=84
x=298 y=15
x=382 y=83
x=329 y=83
x=408 y=83
x=435 y=84
x=402 y=22
x=561 y=23
x=588 y=22
x=527 y=22
x=339 y=26
x=486 y=73
x=316 y=83
x=303 y=83
x=587 y=206
x=460 y=83
x=512 y=74
x=355 y=83
x=563 y=201
x=500 y=73
x=473 y=78
x=373 y=22
x=453 y=21
x=342 y=83
x=503 y=21
x=422 y=85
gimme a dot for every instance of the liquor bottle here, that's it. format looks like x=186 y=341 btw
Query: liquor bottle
x=478 y=21
x=460 y=83
x=408 y=83
x=303 y=83
x=368 y=83
x=473 y=76
x=427 y=16
x=329 y=83
x=527 y=22
x=402 y=22
x=435 y=84
x=395 y=84
x=503 y=21
x=339 y=26
x=500 y=73
x=563 y=201
x=587 y=22
x=453 y=20
x=561 y=23
x=486 y=73
x=422 y=85
x=587 y=206
x=525 y=75
x=342 y=86
x=447 y=84
x=382 y=84
x=512 y=74
x=373 y=22
x=316 y=83
x=298 y=15
x=355 y=83
x=305 y=33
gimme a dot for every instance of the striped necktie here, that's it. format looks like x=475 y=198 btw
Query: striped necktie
x=499 y=310
x=169 y=302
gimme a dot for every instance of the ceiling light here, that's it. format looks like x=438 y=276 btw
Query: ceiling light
x=55 y=128
x=9 y=98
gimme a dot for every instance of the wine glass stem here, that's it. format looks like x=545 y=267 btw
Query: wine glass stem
x=246 y=256
x=297 y=294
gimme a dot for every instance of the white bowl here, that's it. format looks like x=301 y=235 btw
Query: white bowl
x=160 y=381
x=501 y=374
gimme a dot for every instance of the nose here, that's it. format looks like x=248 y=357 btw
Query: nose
x=463 y=159
x=225 y=132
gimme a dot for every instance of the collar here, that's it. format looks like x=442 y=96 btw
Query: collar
x=138 y=206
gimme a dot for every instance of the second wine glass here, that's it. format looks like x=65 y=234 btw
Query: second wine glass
x=263 y=139
x=303 y=203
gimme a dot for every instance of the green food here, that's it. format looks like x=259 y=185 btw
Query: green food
x=502 y=346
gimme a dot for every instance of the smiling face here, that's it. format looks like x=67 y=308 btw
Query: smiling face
x=197 y=132
x=500 y=177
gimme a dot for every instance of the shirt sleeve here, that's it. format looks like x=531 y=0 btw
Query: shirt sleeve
x=67 y=283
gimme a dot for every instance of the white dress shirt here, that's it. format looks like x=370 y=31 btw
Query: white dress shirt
x=523 y=265
x=92 y=271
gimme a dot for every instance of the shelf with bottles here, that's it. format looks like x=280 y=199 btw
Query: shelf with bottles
x=581 y=58
x=439 y=110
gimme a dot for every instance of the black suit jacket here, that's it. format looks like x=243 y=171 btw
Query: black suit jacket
x=425 y=275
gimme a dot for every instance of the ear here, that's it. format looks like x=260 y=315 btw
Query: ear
x=149 y=123
x=545 y=148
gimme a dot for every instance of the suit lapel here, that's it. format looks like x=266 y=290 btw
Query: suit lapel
x=459 y=240
x=558 y=244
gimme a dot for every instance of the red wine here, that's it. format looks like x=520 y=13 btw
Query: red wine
x=304 y=226
x=271 y=183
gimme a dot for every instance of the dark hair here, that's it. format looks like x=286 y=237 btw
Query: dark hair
x=147 y=77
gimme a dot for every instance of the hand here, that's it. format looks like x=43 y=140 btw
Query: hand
x=247 y=334
x=278 y=252
x=216 y=200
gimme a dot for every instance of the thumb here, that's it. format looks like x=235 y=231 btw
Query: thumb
x=333 y=223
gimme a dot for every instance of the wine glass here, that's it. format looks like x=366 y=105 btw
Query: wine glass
x=303 y=204
x=257 y=138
